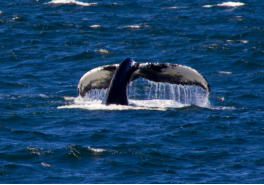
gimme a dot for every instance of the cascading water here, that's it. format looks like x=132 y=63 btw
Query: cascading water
x=144 y=94
x=147 y=90
x=95 y=95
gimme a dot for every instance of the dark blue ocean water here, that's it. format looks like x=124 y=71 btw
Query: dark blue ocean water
x=47 y=137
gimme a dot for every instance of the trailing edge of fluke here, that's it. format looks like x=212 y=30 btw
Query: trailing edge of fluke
x=116 y=78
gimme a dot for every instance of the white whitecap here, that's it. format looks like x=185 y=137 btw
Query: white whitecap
x=225 y=4
x=15 y=18
x=243 y=41
x=208 y=6
x=45 y=164
x=102 y=51
x=1 y=12
x=43 y=95
x=96 y=150
x=71 y=2
x=135 y=26
x=230 y=4
x=240 y=41
x=174 y=7
x=225 y=72
x=95 y=26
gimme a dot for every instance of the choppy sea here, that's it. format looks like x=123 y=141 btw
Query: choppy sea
x=168 y=133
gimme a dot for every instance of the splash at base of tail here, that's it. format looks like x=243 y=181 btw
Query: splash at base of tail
x=116 y=78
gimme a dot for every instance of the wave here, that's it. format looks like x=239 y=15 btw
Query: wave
x=71 y=2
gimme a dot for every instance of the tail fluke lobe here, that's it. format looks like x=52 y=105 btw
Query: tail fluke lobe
x=172 y=73
x=97 y=78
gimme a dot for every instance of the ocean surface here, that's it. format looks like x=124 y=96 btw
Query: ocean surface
x=168 y=133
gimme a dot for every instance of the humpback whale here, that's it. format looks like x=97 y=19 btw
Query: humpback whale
x=116 y=78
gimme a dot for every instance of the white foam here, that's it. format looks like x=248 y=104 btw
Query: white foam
x=222 y=108
x=68 y=98
x=135 y=26
x=225 y=72
x=45 y=164
x=83 y=103
x=240 y=41
x=1 y=12
x=15 y=18
x=102 y=51
x=156 y=104
x=208 y=6
x=243 y=41
x=174 y=7
x=43 y=95
x=96 y=150
x=231 y=4
x=154 y=96
x=95 y=26
x=71 y=2
x=225 y=4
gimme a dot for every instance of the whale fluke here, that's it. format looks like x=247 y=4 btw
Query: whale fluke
x=117 y=91
x=97 y=78
x=116 y=77
x=172 y=73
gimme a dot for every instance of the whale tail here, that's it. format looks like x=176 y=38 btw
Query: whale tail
x=117 y=91
x=116 y=77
